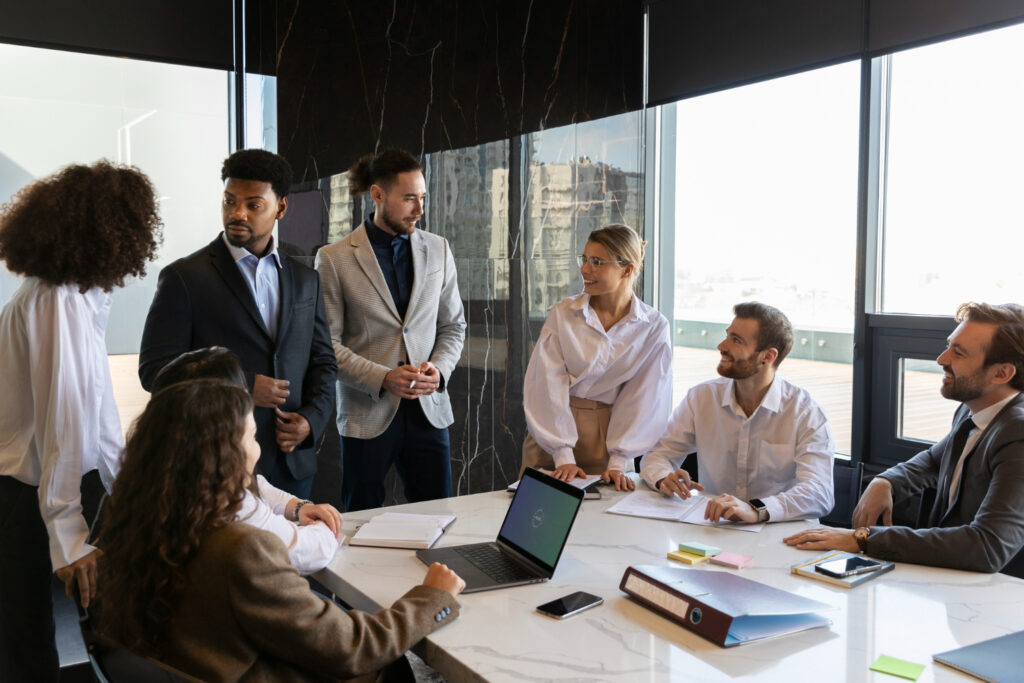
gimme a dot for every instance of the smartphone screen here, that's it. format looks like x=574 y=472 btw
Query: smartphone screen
x=570 y=604
x=847 y=566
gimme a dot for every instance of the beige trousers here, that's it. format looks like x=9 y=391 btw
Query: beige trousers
x=591 y=450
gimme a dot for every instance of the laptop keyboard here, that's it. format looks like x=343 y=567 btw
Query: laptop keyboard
x=491 y=561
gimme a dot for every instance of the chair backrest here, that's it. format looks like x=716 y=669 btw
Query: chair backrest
x=112 y=663
x=846 y=481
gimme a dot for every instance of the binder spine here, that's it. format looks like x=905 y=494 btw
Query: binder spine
x=674 y=605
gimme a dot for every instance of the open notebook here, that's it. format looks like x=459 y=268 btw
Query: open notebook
x=402 y=530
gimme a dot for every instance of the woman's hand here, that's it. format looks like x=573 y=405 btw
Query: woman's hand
x=328 y=514
x=619 y=478
x=568 y=472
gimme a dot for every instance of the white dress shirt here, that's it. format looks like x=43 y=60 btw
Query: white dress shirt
x=310 y=547
x=981 y=420
x=58 y=419
x=781 y=454
x=628 y=367
x=261 y=276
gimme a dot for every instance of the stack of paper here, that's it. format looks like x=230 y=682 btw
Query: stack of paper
x=402 y=530
x=655 y=505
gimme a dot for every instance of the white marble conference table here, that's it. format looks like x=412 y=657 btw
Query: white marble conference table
x=910 y=613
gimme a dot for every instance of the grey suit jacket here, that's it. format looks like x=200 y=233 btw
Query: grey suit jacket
x=983 y=529
x=245 y=614
x=370 y=338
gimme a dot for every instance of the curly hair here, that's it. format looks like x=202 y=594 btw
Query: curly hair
x=91 y=226
x=184 y=474
x=214 y=362
x=261 y=165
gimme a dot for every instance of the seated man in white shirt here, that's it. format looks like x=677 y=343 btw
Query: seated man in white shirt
x=308 y=531
x=763 y=445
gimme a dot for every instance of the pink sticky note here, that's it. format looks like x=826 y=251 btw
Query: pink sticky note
x=732 y=560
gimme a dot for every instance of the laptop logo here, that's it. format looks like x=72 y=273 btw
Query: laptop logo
x=538 y=518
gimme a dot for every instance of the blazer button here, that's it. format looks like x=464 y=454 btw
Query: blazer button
x=405 y=330
x=438 y=617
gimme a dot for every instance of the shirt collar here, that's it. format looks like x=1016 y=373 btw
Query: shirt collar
x=240 y=253
x=581 y=302
x=378 y=236
x=983 y=417
x=772 y=400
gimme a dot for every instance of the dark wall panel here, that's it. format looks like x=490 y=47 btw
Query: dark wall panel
x=704 y=45
x=427 y=76
x=896 y=24
x=194 y=32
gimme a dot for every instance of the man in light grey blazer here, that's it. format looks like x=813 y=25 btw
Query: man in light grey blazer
x=977 y=519
x=397 y=326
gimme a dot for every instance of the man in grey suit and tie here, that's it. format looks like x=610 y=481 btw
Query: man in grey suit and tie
x=397 y=327
x=977 y=520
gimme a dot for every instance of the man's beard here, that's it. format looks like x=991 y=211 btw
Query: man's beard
x=398 y=227
x=963 y=388
x=738 y=369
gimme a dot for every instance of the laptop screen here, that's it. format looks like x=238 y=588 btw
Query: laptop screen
x=540 y=516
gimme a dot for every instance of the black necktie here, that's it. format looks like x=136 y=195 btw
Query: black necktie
x=959 y=441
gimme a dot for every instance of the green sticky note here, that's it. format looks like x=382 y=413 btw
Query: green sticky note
x=897 y=667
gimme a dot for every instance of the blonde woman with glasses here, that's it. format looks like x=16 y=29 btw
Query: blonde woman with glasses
x=598 y=388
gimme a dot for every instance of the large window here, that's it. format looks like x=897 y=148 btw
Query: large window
x=765 y=209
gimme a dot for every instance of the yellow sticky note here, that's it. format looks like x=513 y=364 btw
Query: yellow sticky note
x=897 y=667
x=687 y=558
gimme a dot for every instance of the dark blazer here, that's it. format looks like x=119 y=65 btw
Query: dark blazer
x=245 y=614
x=202 y=300
x=983 y=529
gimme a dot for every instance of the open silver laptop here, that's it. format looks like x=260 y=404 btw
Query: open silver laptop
x=529 y=544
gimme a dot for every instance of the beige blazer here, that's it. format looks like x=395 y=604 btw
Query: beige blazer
x=245 y=614
x=370 y=338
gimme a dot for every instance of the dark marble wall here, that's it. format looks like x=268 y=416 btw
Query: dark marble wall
x=525 y=115
x=429 y=76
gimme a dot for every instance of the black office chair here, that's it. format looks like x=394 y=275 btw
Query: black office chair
x=112 y=663
x=846 y=481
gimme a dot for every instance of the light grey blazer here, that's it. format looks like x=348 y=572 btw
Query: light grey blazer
x=370 y=338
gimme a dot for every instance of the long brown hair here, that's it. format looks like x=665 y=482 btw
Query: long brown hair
x=184 y=475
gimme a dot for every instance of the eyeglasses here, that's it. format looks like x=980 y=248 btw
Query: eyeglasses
x=596 y=262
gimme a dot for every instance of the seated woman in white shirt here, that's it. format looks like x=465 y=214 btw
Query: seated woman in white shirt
x=598 y=388
x=308 y=531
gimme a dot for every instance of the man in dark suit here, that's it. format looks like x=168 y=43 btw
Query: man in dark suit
x=240 y=292
x=977 y=520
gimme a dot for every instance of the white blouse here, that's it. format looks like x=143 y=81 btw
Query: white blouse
x=58 y=419
x=628 y=367
x=310 y=547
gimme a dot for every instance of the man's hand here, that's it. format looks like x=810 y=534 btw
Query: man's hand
x=268 y=392
x=678 y=483
x=328 y=514
x=439 y=576
x=292 y=429
x=724 y=506
x=619 y=478
x=406 y=381
x=824 y=539
x=874 y=502
x=568 y=472
x=431 y=376
x=81 y=574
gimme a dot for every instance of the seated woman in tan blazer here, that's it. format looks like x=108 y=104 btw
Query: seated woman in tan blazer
x=188 y=585
x=598 y=388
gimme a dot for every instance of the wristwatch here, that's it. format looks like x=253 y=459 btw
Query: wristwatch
x=861 y=536
x=760 y=509
x=295 y=512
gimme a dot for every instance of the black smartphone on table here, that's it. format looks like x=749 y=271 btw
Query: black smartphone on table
x=847 y=566
x=571 y=604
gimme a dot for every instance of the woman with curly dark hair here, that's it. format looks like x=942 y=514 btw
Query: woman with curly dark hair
x=75 y=236
x=217 y=598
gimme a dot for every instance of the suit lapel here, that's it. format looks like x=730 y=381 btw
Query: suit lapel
x=225 y=265
x=286 y=283
x=419 y=269
x=367 y=260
